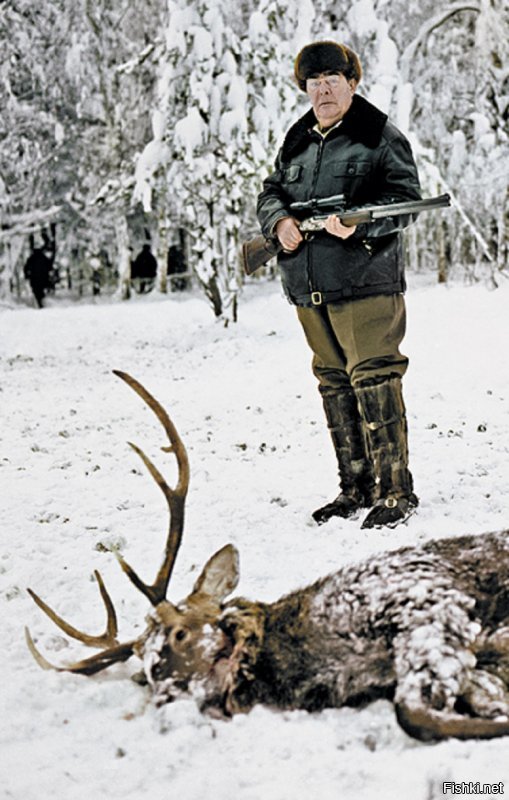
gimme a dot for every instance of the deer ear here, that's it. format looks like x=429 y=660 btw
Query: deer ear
x=220 y=575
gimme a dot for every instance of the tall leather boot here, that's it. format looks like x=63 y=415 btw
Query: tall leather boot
x=383 y=412
x=356 y=477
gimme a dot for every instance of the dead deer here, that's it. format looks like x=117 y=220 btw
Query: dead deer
x=427 y=627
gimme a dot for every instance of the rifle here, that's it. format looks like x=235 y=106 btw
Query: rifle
x=258 y=251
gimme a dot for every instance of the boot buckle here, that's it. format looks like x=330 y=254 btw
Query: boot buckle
x=390 y=502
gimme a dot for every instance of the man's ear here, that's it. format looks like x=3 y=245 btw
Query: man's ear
x=220 y=575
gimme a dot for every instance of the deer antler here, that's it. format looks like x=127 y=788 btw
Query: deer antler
x=115 y=651
x=107 y=639
x=174 y=497
x=88 y=666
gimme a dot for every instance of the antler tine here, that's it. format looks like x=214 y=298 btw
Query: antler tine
x=106 y=639
x=88 y=666
x=175 y=497
x=114 y=650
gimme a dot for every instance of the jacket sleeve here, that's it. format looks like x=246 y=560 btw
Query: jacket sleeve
x=396 y=181
x=272 y=202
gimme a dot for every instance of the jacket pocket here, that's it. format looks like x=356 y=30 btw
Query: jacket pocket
x=351 y=169
x=292 y=173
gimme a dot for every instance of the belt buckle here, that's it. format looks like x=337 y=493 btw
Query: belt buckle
x=316 y=298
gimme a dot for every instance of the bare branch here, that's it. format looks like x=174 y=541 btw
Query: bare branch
x=432 y=24
x=435 y=173
x=22 y=224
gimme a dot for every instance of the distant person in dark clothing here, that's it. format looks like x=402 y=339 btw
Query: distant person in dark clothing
x=38 y=271
x=176 y=266
x=144 y=270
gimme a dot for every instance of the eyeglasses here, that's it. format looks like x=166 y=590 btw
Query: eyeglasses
x=331 y=82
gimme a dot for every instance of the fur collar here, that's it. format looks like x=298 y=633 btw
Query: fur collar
x=362 y=123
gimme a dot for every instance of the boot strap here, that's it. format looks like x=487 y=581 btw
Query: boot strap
x=394 y=502
x=391 y=502
x=387 y=502
x=375 y=426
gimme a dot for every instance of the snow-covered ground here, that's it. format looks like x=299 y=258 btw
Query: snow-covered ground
x=245 y=403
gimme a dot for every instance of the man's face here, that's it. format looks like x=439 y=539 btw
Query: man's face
x=330 y=96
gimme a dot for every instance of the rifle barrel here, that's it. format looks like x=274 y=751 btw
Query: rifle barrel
x=411 y=206
x=356 y=216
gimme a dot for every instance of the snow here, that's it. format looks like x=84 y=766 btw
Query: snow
x=180 y=21
x=245 y=403
x=303 y=30
x=154 y=154
x=232 y=121
x=258 y=27
x=203 y=43
x=73 y=65
x=362 y=18
x=190 y=132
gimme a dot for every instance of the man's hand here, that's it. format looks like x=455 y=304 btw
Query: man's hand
x=288 y=233
x=334 y=226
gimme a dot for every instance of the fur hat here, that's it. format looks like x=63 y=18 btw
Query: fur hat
x=321 y=57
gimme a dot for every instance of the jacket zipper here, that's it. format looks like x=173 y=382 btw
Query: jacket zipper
x=318 y=162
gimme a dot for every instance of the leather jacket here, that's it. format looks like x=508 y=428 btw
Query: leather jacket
x=370 y=161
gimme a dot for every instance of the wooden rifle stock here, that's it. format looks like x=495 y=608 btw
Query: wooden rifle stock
x=258 y=251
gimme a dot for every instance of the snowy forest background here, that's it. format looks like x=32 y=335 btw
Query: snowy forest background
x=126 y=122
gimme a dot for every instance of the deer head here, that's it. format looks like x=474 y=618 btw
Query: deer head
x=183 y=643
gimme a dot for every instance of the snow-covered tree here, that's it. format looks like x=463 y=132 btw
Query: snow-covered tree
x=72 y=119
x=439 y=72
x=223 y=98
x=122 y=121
x=112 y=98
x=458 y=110
x=30 y=128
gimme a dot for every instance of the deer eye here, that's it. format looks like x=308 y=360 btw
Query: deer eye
x=180 y=634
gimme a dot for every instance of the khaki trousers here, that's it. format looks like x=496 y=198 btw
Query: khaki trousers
x=355 y=341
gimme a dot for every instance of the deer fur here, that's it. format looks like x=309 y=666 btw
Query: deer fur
x=425 y=626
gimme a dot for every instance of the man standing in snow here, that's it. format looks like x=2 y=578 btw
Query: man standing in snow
x=348 y=282
x=144 y=270
x=37 y=271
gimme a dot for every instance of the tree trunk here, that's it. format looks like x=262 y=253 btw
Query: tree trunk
x=124 y=258
x=442 y=257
